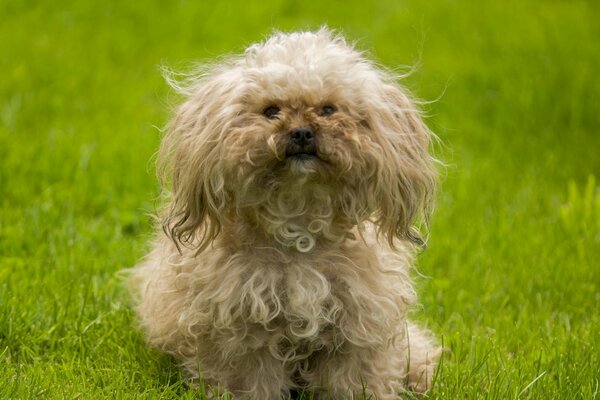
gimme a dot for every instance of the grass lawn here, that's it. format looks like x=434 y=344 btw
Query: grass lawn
x=512 y=271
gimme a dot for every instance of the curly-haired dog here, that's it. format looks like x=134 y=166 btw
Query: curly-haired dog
x=293 y=175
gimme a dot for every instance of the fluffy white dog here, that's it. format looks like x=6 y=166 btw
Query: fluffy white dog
x=293 y=176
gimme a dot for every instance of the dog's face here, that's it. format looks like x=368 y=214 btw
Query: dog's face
x=300 y=134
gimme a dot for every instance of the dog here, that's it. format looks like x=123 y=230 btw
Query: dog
x=294 y=176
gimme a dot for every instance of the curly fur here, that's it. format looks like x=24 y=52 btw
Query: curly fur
x=275 y=272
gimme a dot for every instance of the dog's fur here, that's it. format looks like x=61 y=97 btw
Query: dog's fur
x=279 y=270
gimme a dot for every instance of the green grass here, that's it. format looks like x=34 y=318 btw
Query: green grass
x=514 y=256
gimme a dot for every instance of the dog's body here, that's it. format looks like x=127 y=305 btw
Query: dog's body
x=289 y=166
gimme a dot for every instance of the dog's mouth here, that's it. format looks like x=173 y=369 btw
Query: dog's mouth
x=303 y=156
x=304 y=153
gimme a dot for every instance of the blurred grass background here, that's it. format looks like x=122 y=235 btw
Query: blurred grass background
x=513 y=267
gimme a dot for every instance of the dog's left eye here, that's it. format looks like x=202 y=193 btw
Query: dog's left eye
x=327 y=110
x=271 y=112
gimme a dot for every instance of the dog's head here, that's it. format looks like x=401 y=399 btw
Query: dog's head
x=301 y=137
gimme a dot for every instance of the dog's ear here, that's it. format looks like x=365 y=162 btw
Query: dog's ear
x=189 y=162
x=405 y=180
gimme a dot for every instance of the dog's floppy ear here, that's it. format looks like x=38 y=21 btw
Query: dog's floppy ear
x=405 y=179
x=189 y=161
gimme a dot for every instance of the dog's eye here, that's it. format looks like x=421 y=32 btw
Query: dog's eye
x=271 y=112
x=327 y=110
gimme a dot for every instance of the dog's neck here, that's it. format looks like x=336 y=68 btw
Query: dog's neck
x=298 y=217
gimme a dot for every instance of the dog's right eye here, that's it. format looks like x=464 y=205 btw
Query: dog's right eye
x=271 y=112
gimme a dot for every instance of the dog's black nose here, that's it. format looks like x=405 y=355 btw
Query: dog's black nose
x=303 y=136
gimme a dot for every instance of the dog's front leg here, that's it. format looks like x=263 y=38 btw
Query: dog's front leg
x=254 y=375
x=355 y=371
x=380 y=371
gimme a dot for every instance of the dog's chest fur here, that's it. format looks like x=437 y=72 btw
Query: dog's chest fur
x=291 y=307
